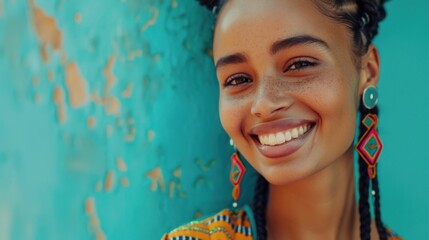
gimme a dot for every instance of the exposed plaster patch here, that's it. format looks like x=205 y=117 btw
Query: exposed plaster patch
x=91 y=122
x=125 y=182
x=112 y=106
x=77 y=18
x=110 y=78
x=121 y=164
x=76 y=85
x=151 y=135
x=59 y=103
x=94 y=221
x=128 y=92
x=46 y=30
x=108 y=183
x=157 y=180
x=152 y=21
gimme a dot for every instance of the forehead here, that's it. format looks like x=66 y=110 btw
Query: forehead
x=247 y=24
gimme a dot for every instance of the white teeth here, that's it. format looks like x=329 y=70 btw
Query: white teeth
x=273 y=139
x=280 y=137
x=295 y=133
x=301 y=130
x=288 y=136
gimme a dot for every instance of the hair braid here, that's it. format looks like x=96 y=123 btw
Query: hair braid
x=376 y=12
x=259 y=207
x=380 y=227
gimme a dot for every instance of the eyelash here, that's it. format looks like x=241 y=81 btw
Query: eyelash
x=240 y=76
x=305 y=63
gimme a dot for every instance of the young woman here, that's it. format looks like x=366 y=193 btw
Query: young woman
x=294 y=75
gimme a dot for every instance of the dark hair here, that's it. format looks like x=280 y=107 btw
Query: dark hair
x=362 y=17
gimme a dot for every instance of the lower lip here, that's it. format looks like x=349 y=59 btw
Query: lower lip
x=284 y=149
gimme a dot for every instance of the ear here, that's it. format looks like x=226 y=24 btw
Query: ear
x=370 y=69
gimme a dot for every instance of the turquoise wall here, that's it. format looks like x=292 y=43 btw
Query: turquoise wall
x=109 y=126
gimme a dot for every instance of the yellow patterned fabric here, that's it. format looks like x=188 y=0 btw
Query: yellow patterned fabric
x=227 y=224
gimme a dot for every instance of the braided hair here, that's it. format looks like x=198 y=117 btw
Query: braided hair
x=362 y=17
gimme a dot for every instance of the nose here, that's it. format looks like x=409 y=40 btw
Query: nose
x=270 y=98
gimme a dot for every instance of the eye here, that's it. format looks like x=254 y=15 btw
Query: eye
x=300 y=64
x=237 y=79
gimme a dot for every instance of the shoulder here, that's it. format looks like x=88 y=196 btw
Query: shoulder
x=226 y=224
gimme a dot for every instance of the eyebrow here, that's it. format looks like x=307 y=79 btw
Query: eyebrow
x=230 y=59
x=275 y=48
x=297 y=40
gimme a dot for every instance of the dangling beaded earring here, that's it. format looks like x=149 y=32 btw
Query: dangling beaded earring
x=369 y=146
x=236 y=175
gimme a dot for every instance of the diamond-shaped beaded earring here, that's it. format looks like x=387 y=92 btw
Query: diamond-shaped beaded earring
x=369 y=146
x=236 y=175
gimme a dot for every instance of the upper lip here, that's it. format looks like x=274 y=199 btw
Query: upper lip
x=277 y=126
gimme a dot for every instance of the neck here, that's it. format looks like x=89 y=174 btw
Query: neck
x=321 y=206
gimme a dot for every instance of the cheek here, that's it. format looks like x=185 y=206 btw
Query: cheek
x=230 y=116
x=338 y=109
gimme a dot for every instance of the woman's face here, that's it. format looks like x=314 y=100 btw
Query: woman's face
x=289 y=87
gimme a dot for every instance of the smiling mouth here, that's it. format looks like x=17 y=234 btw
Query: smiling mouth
x=281 y=137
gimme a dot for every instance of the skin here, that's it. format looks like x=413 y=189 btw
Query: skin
x=311 y=189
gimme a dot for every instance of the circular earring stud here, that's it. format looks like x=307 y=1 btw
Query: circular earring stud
x=370 y=97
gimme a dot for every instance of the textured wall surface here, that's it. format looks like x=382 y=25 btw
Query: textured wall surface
x=109 y=126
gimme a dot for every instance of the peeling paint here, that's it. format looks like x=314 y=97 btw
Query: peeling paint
x=94 y=221
x=60 y=104
x=91 y=122
x=108 y=72
x=157 y=180
x=205 y=167
x=152 y=21
x=121 y=164
x=125 y=182
x=112 y=106
x=76 y=86
x=77 y=18
x=90 y=206
x=109 y=181
x=177 y=172
x=151 y=135
x=128 y=92
x=47 y=30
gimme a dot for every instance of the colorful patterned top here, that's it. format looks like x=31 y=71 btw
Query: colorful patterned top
x=227 y=224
